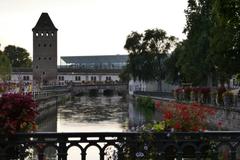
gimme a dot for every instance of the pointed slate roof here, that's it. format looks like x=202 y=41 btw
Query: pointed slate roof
x=44 y=23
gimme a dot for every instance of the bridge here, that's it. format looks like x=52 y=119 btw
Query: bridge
x=111 y=87
x=139 y=146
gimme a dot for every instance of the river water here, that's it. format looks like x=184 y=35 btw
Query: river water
x=99 y=114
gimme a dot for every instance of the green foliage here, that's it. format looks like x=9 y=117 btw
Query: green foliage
x=146 y=102
x=147 y=53
x=212 y=47
x=125 y=75
x=19 y=57
x=5 y=67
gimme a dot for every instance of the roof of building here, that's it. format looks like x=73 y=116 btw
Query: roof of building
x=95 y=59
x=44 y=23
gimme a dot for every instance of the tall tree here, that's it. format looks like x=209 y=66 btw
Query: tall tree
x=147 y=53
x=225 y=38
x=173 y=72
x=192 y=61
x=5 y=67
x=19 y=57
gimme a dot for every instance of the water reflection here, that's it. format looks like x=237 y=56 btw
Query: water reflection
x=93 y=114
x=99 y=114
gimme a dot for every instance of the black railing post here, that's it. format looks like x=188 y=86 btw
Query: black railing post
x=62 y=150
x=233 y=155
x=84 y=154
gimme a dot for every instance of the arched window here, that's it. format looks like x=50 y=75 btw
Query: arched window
x=42 y=34
x=47 y=34
x=36 y=34
x=52 y=34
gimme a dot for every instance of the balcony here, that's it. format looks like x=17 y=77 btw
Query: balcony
x=167 y=145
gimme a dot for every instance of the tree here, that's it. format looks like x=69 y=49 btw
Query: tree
x=172 y=68
x=147 y=53
x=192 y=60
x=19 y=57
x=225 y=38
x=124 y=75
x=5 y=67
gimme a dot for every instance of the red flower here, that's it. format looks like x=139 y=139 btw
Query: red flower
x=16 y=109
x=168 y=115
x=157 y=104
x=177 y=126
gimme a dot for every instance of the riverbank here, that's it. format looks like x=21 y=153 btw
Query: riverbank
x=227 y=117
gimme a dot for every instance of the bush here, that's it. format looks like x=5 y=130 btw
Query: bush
x=145 y=102
x=17 y=113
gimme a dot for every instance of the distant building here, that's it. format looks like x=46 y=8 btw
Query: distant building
x=95 y=62
x=45 y=51
x=79 y=69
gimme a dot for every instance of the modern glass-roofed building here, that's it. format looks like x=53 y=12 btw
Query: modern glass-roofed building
x=95 y=62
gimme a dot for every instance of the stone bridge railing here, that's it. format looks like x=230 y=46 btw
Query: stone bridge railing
x=85 y=88
x=124 y=146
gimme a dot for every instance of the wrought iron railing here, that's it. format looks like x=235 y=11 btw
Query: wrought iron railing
x=127 y=146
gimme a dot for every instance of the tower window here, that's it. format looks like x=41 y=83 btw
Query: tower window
x=42 y=34
x=52 y=34
x=47 y=34
x=39 y=58
x=45 y=58
x=36 y=34
x=39 y=45
x=43 y=73
x=50 y=45
x=50 y=58
x=44 y=45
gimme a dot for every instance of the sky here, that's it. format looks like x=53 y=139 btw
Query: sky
x=89 y=27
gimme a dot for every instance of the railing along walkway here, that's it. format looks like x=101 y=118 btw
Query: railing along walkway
x=128 y=146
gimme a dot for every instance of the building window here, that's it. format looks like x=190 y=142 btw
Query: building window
x=36 y=34
x=36 y=67
x=93 y=78
x=50 y=58
x=47 y=34
x=43 y=73
x=52 y=34
x=108 y=78
x=77 y=78
x=44 y=45
x=39 y=45
x=45 y=58
x=39 y=58
x=61 y=78
x=50 y=45
x=26 y=78
x=42 y=34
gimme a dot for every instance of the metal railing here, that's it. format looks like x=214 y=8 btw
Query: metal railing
x=125 y=146
x=155 y=94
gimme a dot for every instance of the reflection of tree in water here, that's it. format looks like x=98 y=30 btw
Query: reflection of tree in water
x=93 y=109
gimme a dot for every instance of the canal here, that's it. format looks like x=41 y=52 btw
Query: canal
x=97 y=114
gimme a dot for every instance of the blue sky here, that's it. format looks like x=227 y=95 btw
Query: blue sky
x=89 y=27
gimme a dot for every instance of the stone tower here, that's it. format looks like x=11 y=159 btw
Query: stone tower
x=45 y=51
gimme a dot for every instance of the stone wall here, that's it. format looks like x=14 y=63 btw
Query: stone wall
x=227 y=117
